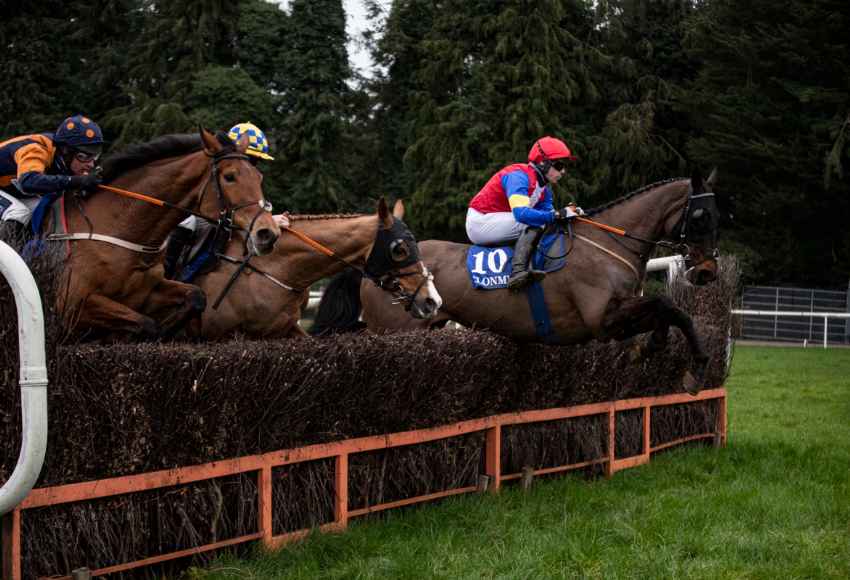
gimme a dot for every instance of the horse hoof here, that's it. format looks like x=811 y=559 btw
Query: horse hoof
x=691 y=384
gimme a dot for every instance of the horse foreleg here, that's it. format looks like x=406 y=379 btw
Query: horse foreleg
x=102 y=313
x=182 y=302
x=657 y=314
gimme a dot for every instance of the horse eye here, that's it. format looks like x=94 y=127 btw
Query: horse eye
x=229 y=177
x=399 y=250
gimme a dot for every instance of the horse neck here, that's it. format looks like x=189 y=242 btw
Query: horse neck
x=350 y=238
x=647 y=214
x=177 y=180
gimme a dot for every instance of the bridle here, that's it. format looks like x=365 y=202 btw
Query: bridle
x=394 y=249
x=698 y=208
x=224 y=223
x=226 y=211
x=384 y=269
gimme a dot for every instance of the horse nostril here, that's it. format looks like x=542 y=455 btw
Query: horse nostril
x=266 y=237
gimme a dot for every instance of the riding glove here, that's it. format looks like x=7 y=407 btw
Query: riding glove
x=85 y=184
x=568 y=213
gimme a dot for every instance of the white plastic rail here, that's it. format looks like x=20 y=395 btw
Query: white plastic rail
x=826 y=316
x=33 y=379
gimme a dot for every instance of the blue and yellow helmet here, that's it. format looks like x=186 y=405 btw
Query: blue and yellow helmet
x=79 y=132
x=258 y=145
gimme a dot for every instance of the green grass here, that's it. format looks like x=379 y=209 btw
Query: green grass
x=774 y=504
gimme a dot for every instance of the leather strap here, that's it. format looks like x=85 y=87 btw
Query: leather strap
x=109 y=240
x=610 y=253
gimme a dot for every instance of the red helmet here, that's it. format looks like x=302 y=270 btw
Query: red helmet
x=549 y=149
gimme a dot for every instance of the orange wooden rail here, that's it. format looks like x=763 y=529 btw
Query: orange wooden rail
x=340 y=451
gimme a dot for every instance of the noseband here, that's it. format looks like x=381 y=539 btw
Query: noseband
x=226 y=211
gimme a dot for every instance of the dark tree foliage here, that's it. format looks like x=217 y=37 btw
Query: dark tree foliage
x=641 y=90
x=641 y=138
x=314 y=132
x=772 y=106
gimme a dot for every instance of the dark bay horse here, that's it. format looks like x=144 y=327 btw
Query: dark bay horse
x=265 y=301
x=114 y=283
x=597 y=294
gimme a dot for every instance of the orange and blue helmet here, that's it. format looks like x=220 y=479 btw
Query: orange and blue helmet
x=258 y=145
x=78 y=132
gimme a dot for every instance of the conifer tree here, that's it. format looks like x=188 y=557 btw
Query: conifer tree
x=772 y=102
x=501 y=74
x=312 y=146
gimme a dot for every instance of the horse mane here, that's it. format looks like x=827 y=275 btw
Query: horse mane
x=326 y=216
x=163 y=147
x=628 y=196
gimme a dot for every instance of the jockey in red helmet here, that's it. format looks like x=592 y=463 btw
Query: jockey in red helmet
x=516 y=204
x=45 y=165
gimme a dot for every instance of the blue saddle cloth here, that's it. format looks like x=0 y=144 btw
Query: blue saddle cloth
x=489 y=267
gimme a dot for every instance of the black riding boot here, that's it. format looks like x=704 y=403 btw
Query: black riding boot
x=523 y=274
x=177 y=242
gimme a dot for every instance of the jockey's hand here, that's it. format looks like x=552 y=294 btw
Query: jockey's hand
x=85 y=184
x=282 y=220
x=565 y=214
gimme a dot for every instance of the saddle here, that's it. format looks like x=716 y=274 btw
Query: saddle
x=489 y=267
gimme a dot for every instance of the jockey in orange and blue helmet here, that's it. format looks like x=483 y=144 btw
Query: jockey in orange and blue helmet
x=45 y=165
x=516 y=204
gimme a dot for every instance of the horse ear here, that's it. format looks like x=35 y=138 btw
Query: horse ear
x=242 y=144
x=696 y=181
x=712 y=180
x=398 y=209
x=211 y=144
x=384 y=214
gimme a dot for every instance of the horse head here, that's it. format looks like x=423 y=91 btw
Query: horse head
x=695 y=230
x=238 y=192
x=395 y=266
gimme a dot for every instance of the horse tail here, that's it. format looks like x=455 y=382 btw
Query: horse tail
x=339 y=308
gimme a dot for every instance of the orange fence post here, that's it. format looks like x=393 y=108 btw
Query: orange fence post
x=264 y=507
x=612 y=441
x=493 y=457
x=647 y=426
x=341 y=488
x=720 y=437
x=12 y=545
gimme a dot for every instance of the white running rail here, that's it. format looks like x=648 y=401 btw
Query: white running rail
x=33 y=379
x=826 y=316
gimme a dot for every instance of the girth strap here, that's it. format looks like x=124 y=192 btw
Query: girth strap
x=109 y=240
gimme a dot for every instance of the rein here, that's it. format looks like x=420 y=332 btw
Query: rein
x=225 y=219
x=388 y=281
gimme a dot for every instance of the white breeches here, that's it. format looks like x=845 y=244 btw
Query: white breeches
x=19 y=209
x=490 y=229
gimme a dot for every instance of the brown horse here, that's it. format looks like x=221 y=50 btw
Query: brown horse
x=114 y=279
x=266 y=299
x=597 y=294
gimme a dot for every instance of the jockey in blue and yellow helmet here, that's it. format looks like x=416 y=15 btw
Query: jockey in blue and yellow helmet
x=179 y=262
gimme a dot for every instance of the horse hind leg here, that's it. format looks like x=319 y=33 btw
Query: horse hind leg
x=657 y=314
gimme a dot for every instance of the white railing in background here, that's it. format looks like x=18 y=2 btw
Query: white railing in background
x=825 y=315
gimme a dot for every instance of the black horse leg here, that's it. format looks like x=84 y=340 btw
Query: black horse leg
x=657 y=314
